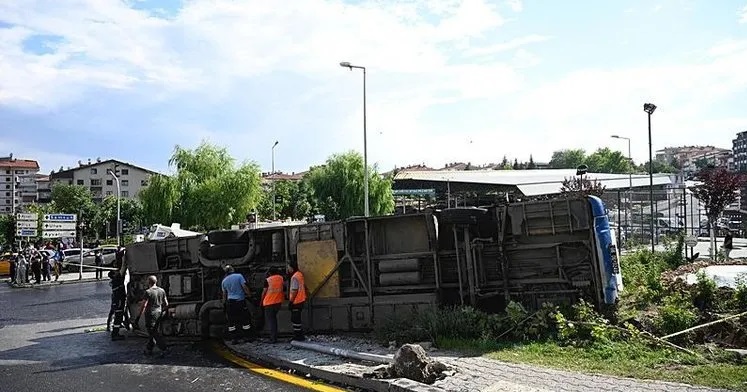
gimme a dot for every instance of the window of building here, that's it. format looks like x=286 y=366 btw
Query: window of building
x=7 y=194
x=7 y=179
x=125 y=182
x=7 y=172
x=109 y=182
x=143 y=182
x=95 y=182
x=109 y=193
x=7 y=201
x=94 y=171
x=125 y=172
x=80 y=182
x=7 y=186
x=125 y=194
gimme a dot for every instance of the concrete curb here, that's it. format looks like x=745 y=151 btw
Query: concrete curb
x=368 y=384
x=52 y=283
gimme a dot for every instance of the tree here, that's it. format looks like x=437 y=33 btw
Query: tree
x=293 y=200
x=207 y=192
x=575 y=187
x=659 y=167
x=516 y=165
x=567 y=159
x=531 y=165
x=7 y=229
x=338 y=188
x=605 y=160
x=131 y=213
x=717 y=191
x=74 y=199
x=504 y=165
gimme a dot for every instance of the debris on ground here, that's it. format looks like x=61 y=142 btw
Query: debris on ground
x=681 y=272
x=412 y=362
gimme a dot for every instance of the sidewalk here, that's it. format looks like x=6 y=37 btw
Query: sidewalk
x=469 y=373
x=65 y=278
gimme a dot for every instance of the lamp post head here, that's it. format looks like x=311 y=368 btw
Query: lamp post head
x=649 y=108
x=276 y=143
x=345 y=64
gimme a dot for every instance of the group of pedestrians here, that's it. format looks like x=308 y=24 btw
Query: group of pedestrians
x=235 y=292
x=36 y=264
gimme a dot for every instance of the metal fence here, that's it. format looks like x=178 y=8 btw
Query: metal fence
x=674 y=211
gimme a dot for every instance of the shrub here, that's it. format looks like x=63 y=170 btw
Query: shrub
x=676 y=314
x=740 y=292
x=704 y=291
x=584 y=327
x=641 y=272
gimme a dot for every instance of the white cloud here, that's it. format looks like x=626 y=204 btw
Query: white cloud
x=743 y=15
x=515 y=5
x=506 y=46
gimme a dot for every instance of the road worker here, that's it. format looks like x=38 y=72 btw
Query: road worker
x=297 y=299
x=235 y=292
x=272 y=299
x=117 y=311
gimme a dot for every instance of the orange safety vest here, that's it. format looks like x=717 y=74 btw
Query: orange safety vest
x=274 y=293
x=301 y=294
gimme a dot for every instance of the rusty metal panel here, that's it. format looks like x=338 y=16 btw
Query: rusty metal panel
x=316 y=259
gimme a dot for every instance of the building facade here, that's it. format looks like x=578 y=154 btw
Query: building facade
x=17 y=183
x=95 y=176
x=739 y=147
x=685 y=153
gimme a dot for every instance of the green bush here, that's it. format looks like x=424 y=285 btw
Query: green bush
x=704 y=295
x=641 y=272
x=584 y=326
x=676 y=314
x=740 y=292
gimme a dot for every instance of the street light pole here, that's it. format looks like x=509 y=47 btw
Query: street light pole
x=649 y=108
x=119 y=194
x=274 y=215
x=346 y=64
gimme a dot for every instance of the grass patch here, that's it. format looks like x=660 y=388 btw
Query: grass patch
x=624 y=359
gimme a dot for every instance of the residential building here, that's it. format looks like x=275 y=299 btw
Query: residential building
x=722 y=158
x=43 y=189
x=739 y=147
x=684 y=153
x=94 y=176
x=17 y=182
x=269 y=177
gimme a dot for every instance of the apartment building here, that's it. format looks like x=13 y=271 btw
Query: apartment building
x=43 y=189
x=739 y=146
x=17 y=182
x=95 y=176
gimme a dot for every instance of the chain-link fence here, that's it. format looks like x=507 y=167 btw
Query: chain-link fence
x=674 y=211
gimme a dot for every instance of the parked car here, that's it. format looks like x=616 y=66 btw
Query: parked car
x=5 y=264
x=108 y=253
x=71 y=258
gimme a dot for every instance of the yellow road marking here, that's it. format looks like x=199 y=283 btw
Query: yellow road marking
x=276 y=374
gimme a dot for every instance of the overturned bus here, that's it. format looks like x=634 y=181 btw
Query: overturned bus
x=362 y=270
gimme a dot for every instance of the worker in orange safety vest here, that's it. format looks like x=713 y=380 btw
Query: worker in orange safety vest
x=272 y=299
x=297 y=299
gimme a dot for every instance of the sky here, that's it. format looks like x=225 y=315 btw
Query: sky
x=446 y=80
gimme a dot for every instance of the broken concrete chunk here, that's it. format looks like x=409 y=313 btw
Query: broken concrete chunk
x=411 y=362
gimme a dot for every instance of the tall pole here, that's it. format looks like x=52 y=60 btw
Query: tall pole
x=365 y=148
x=651 y=182
x=13 y=192
x=346 y=64
x=119 y=217
x=274 y=214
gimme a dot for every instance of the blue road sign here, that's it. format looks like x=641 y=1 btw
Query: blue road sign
x=60 y=218
x=26 y=232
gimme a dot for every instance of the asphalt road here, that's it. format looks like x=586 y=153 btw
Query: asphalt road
x=44 y=348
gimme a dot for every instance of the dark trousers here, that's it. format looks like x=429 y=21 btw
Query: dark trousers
x=12 y=272
x=120 y=315
x=238 y=318
x=271 y=318
x=152 y=323
x=99 y=272
x=45 y=271
x=36 y=269
x=297 y=321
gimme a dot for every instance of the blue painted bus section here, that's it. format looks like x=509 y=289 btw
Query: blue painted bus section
x=609 y=266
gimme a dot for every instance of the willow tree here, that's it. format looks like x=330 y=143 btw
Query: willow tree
x=208 y=190
x=338 y=188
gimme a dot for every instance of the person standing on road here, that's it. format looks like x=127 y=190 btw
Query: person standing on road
x=36 y=269
x=119 y=298
x=13 y=262
x=235 y=292
x=297 y=300
x=99 y=260
x=21 y=267
x=728 y=244
x=154 y=308
x=45 y=268
x=272 y=299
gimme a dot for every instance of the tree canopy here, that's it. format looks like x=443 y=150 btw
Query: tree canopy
x=338 y=188
x=293 y=200
x=658 y=167
x=208 y=190
x=603 y=160
x=574 y=186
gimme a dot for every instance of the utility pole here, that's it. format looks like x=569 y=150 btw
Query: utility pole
x=649 y=108
x=274 y=213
